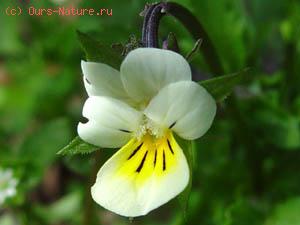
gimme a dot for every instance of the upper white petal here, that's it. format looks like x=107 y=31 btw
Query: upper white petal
x=186 y=107
x=146 y=70
x=102 y=80
x=111 y=122
x=123 y=190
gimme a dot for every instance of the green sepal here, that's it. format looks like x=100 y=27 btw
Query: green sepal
x=78 y=146
x=98 y=52
x=222 y=86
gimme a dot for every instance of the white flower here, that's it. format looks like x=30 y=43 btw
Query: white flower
x=7 y=185
x=140 y=108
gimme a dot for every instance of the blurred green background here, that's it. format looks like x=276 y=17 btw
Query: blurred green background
x=247 y=169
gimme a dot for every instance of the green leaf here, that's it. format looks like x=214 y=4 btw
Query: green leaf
x=222 y=86
x=98 y=52
x=78 y=146
x=286 y=213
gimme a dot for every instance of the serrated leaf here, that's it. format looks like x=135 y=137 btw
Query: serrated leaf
x=98 y=52
x=221 y=87
x=78 y=146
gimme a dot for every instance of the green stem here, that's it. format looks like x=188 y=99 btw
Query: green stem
x=89 y=210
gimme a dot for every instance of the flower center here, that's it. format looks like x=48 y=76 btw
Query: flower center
x=150 y=127
x=142 y=158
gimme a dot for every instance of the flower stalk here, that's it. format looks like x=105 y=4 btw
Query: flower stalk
x=89 y=210
x=152 y=17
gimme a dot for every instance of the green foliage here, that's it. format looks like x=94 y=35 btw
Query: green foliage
x=280 y=128
x=286 y=213
x=38 y=155
x=221 y=87
x=78 y=146
x=57 y=132
x=97 y=52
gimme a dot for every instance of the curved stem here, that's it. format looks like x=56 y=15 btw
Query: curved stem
x=147 y=13
x=153 y=25
x=150 y=33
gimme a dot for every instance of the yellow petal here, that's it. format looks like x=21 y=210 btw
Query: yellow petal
x=141 y=176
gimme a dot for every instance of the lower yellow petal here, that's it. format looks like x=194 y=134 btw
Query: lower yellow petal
x=148 y=157
x=141 y=176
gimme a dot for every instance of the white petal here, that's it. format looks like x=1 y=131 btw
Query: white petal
x=134 y=181
x=111 y=122
x=146 y=70
x=185 y=107
x=102 y=80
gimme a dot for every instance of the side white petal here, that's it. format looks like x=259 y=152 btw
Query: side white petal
x=140 y=177
x=185 y=107
x=111 y=122
x=102 y=80
x=146 y=70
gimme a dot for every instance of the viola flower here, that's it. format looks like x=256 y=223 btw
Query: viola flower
x=139 y=109
x=7 y=185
